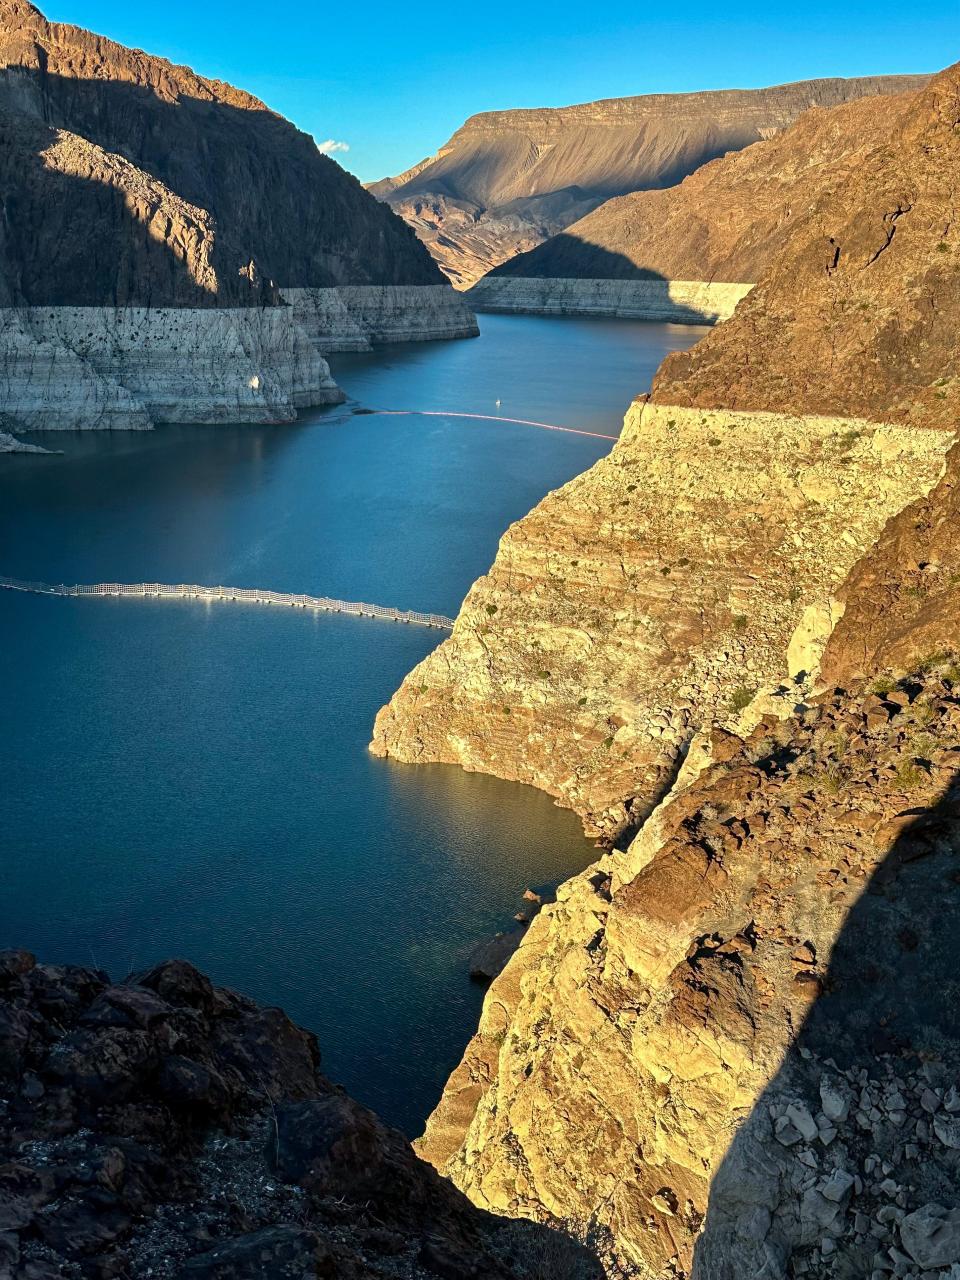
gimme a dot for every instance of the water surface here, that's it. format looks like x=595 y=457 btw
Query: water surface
x=192 y=779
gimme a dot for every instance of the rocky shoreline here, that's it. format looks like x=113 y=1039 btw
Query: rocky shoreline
x=129 y=368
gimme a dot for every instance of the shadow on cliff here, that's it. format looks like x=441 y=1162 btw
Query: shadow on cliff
x=568 y=257
x=890 y=997
x=284 y=214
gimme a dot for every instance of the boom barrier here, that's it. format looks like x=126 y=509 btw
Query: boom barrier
x=254 y=595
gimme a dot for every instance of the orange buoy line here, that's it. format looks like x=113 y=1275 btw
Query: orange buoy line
x=487 y=417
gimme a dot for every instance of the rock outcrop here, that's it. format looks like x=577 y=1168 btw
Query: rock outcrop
x=731 y=1044
x=152 y=221
x=734 y=1044
x=507 y=180
x=164 y=1127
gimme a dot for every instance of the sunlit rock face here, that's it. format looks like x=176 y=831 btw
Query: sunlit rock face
x=730 y=1047
x=658 y=591
x=508 y=180
x=730 y=1043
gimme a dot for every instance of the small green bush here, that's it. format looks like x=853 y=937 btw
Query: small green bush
x=491 y=609
x=741 y=698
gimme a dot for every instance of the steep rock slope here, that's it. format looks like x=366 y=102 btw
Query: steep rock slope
x=733 y=1046
x=724 y=223
x=663 y=587
x=284 y=213
x=859 y=311
x=507 y=180
x=163 y=1127
x=152 y=220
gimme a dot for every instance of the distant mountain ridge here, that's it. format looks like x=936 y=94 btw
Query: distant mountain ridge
x=507 y=180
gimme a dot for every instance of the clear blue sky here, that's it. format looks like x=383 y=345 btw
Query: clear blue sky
x=393 y=80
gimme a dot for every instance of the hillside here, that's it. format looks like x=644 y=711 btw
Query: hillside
x=507 y=180
x=725 y=221
x=859 y=310
x=173 y=251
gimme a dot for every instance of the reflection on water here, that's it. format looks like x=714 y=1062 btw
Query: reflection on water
x=192 y=779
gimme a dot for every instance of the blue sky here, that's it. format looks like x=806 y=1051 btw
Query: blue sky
x=393 y=81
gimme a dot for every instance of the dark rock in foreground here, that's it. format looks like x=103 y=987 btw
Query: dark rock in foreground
x=164 y=1127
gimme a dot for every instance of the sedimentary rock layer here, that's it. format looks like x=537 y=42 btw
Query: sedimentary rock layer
x=658 y=591
x=727 y=220
x=676 y=301
x=733 y=1045
x=509 y=179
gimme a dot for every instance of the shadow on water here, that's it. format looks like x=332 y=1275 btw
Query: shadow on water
x=890 y=1001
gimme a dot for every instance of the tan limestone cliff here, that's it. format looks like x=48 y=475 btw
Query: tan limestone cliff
x=656 y=592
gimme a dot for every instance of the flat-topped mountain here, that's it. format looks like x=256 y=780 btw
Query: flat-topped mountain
x=507 y=180
x=725 y=221
x=136 y=153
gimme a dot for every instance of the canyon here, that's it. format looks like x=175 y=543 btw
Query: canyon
x=167 y=232
x=730 y=647
x=508 y=180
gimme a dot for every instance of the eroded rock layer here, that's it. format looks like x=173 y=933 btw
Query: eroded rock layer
x=735 y=1044
x=657 y=591
x=507 y=180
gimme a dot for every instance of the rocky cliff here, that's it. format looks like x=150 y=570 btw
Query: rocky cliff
x=666 y=583
x=733 y=1045
x=161 y=1126
x=136 y=188
x=730 y=1045
x=507 y=180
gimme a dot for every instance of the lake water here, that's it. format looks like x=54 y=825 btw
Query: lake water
x=179 y=778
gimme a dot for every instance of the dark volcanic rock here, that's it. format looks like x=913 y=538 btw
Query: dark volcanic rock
x=162 y=1126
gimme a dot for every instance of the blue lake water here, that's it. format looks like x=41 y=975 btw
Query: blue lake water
x=179 y=778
